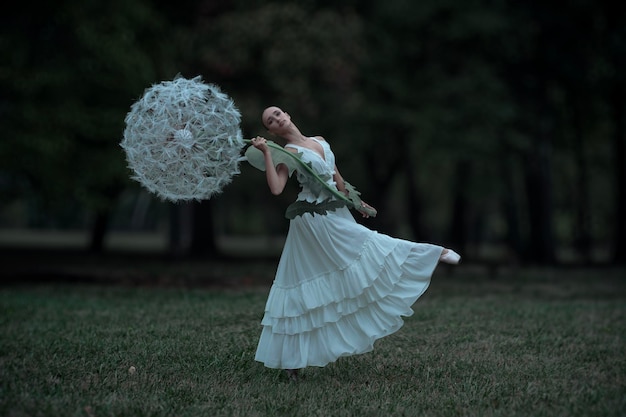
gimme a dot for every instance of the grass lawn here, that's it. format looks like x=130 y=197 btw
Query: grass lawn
x=524 y=343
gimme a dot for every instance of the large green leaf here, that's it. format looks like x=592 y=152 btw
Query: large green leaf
x=316 y=183
x=279 y=156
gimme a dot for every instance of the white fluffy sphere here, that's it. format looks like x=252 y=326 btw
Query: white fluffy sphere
x=182 y=139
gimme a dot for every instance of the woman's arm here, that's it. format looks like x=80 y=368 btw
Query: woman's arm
x=341 y=186
x=276 y=176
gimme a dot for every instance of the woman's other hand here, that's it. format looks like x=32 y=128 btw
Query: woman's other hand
x=366 y=209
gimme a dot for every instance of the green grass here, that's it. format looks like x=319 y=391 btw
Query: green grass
x=530 y=345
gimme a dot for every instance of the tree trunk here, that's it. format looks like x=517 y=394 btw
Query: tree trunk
x=100 y=225
x=203 y=235
x=414 y=202
x=99 y=229
x=180 y=229
x=582 y=227
x=191 y=230
x=540 y=205
x=618 y=106
x=458 y=226
x=614 y=39
x=381 y=183
x=514 y=238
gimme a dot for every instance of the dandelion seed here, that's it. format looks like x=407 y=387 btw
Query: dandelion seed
x=182 y=140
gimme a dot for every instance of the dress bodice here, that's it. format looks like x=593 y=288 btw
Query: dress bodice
x=324 y=166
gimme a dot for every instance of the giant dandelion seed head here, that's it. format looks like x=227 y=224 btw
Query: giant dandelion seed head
x=182 y=139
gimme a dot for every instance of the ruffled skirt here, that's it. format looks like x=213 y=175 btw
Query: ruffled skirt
x=338 y=288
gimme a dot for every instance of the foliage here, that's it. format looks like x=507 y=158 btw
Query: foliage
x=271 y=54
x=67 y=86
x=300 y=207
x=477 y=122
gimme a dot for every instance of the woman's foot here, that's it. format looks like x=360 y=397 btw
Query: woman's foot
x=450 y=257
x=292 y=374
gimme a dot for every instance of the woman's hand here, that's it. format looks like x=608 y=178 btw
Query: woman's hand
x=366 y=206
x=277 y=176
x=260 y=143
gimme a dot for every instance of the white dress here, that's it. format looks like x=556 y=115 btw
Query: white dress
x=339 y=286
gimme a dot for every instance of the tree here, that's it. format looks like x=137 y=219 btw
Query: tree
x=556 y=67
x=613 y=40
x=71 y=73
x=434 y=96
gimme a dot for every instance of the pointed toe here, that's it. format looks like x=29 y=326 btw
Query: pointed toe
x=450 y=257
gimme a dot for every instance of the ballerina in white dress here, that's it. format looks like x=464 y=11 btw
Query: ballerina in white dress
x=339 y=286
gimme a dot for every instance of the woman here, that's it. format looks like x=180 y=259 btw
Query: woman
x=339 y=286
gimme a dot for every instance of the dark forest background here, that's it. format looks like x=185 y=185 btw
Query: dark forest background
x=494 y=127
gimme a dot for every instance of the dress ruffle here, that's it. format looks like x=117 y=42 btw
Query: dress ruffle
x=342 y=311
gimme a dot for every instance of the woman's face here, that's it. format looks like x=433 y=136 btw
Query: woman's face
x=275 y=120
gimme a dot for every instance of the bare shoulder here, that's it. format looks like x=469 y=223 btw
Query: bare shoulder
x=320 y=138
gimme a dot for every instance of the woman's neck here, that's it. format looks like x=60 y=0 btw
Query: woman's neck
x=295 y=137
